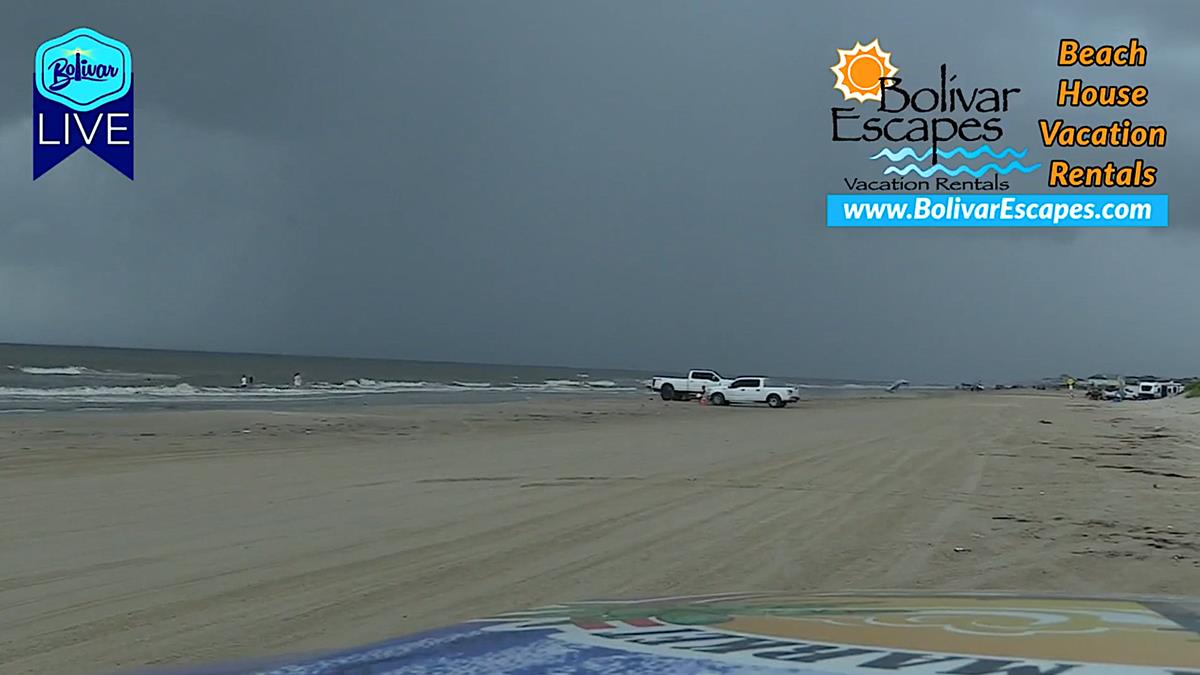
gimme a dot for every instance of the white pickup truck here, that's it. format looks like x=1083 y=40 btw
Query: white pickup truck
x=753 y=390
x=684 y=388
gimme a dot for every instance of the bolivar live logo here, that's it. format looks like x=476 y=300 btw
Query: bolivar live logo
x=82 y=98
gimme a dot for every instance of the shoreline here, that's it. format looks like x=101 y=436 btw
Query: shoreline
x=316 y=400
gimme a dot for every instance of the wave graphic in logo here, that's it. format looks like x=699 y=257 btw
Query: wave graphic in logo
x=902 y=153
x=977 y=173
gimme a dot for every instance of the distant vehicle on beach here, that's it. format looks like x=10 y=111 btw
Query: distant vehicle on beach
x=753 y=390
x=1151 y=389
x=684 y=388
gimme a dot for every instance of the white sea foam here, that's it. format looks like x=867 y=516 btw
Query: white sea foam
x=55 y=370
x=565 y=383
x=84 y=371
x=184 y=392
x=367 y=383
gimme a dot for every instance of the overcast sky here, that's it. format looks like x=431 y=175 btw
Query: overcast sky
x=610 y=184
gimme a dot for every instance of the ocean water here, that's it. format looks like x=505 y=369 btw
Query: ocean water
x=54 y=377
x=50 y=378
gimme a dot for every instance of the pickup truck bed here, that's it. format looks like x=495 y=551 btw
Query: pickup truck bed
x=696 y=383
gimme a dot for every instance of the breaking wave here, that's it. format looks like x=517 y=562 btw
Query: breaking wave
x=57 y=370
x=184 y=392
x=83 y=371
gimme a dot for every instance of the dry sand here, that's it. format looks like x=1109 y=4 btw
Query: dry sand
x=165 y=538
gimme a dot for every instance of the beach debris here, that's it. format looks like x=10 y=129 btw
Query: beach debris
x=961 y=549
x=1045 y=422
x=245 y=431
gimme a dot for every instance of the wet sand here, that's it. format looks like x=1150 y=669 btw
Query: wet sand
x=135 y=539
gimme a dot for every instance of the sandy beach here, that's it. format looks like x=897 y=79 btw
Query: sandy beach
x=170 y=538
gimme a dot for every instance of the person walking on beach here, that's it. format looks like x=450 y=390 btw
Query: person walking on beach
x=297 y=381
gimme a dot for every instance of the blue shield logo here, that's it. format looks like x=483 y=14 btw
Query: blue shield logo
x=83 y=69
x=82 y=98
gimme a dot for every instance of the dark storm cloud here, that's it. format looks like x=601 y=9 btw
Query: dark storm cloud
x=610 y=184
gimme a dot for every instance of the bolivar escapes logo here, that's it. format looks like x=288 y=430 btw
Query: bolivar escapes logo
x=923 y=124
x=82 y=98
x=936 y=149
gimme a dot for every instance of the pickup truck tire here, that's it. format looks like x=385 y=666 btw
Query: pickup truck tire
x=775 y=401
x=667 y=392
x=718 y=399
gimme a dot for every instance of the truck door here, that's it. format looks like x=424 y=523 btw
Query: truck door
x=701 y=379
x=741 y=390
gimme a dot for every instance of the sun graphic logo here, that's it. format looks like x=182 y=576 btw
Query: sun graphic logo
x=860 y=69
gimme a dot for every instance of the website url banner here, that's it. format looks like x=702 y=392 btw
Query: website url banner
x=1002 y=210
